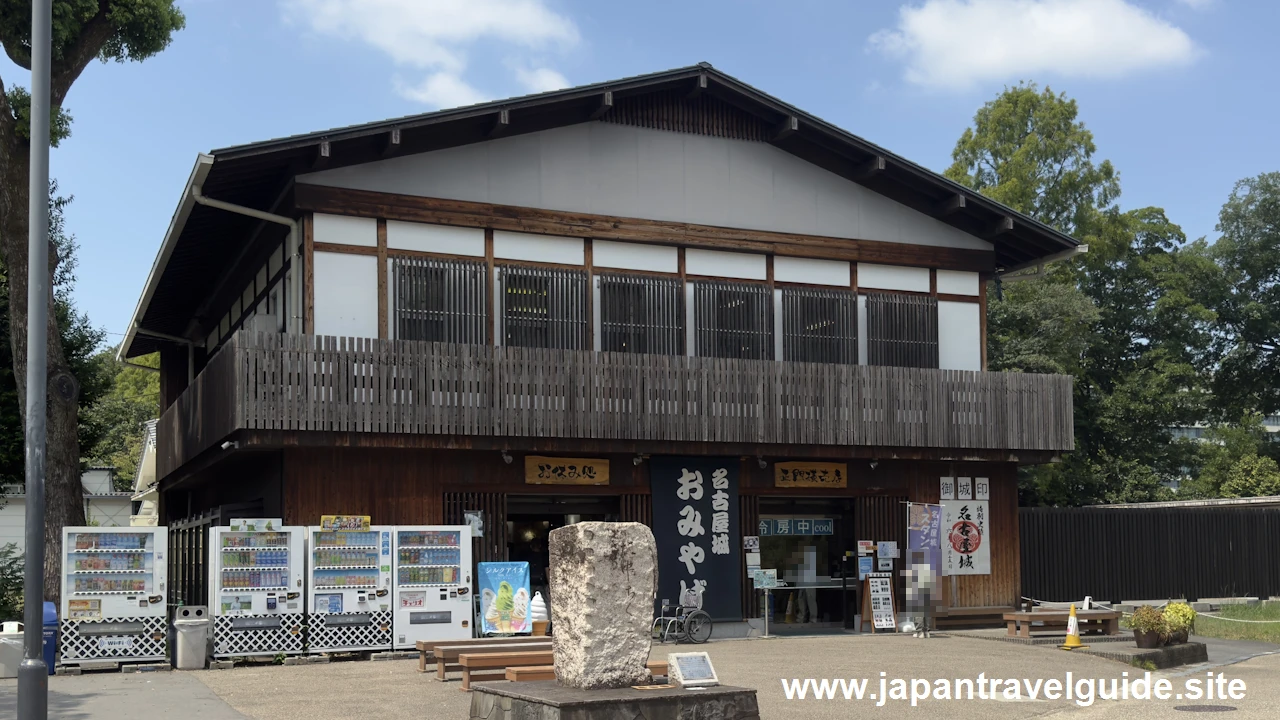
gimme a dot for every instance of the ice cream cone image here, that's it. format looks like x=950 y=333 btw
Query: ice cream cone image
x=500 y=608
x=520 y=611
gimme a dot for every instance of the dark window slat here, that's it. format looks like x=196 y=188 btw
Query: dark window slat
x=902 y=330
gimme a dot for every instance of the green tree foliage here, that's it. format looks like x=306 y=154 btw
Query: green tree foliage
x=1127 y=319
x=1252 y=476
x=118 y=418
x=1249 y=308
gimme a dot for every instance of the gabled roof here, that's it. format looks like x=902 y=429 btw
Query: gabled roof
x=189 y=270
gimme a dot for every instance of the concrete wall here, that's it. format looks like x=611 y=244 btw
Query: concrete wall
x=610 y=169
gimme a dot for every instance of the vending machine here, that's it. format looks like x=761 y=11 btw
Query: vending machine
x=113 y=594
x=255 y=588
x=349 y=588
x=433 y=588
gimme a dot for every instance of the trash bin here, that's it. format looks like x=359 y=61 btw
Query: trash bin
x=50 y=634
x=10 y=649
x=192 y=640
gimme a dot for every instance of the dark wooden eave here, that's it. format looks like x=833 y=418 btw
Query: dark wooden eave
x=257 y=175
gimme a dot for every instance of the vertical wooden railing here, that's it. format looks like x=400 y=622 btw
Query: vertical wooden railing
x=295 y=382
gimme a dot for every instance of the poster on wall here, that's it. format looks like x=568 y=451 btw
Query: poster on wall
x=504 y=597
x=966 y=542
x=924 y=555
x=695 y=523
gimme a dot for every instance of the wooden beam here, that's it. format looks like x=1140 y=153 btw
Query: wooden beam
x=789 y=126
x=501 y=124
x=462 y=213
x=384 y=309
x=321 y=158
x=606 y=104
x=308 y=273
x=699 y=87
x=391 y=145
x=869 y=168
x=1000 y=227
x=951 y=205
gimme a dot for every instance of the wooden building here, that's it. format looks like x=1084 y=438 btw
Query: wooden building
x=526 y=307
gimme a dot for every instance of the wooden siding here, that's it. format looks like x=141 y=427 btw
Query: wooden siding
x=394 y=487
x=303 y=383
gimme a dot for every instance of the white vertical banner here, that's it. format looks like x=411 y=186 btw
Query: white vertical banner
x=981 y=489
x=966 y=541
x=947 y=488
x=964 y=488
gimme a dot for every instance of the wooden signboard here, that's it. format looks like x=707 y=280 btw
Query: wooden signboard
x=810 y=475
x=540 y=470
x=877 y=603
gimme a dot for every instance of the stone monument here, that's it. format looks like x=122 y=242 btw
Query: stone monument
x=603 y=579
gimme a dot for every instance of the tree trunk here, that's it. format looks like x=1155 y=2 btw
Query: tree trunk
x=64 y=494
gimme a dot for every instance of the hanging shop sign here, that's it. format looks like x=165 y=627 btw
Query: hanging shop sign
x=796 y=526
x=539 y=470
x=695 y=524
x=966 y=542
x=810 y=475
x=346 y=523
x=504 y=597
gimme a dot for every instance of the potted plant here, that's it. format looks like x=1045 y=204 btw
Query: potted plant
x=1178 y=618
x=1149 y=628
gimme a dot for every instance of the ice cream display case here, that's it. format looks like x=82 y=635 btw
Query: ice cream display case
x=255 y=588
x=432 y=597
x=349 y=588
x=113 y=594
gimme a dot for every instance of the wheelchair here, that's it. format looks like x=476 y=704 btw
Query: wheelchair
x=686 y=622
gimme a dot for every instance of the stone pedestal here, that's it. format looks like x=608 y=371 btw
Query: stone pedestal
x=548 y=700
x=603 y=577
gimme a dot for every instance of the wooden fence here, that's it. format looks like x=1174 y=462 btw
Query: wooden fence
x=298 y=382
x=1118 y=554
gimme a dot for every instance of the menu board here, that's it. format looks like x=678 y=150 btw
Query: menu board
x=879 y=602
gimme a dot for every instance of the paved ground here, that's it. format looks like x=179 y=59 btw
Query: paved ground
x=117 y=696
x=394 y=689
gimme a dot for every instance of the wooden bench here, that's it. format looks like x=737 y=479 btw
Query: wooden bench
x=1104 y=622
x=426 y=648
x=548 y=672
x=447 y=655
x=499 y=661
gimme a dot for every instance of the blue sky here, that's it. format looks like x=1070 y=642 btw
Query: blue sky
x=1180 y=94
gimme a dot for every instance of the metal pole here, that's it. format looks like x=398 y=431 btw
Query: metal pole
x=33 y=674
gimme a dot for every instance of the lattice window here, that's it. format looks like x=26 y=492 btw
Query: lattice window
x=439 y=300
x=819 y=326
x=543 y=308
x=641 y=314
x=734 y=320
x=902 y=330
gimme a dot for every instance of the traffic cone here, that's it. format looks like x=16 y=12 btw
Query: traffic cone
x=1073 y=632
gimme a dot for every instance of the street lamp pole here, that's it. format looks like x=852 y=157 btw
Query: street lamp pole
x=33 y=674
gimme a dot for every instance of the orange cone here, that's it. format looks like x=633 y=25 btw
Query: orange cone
x=1073 y=632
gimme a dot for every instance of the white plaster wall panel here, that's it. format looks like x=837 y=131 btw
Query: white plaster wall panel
x=13 y=522
x=346 y=295
x=515 y=170
x=614 y=160
x=811 y=271
x=424 y=237
x=959 y=335
x=892 y=277
x=660 y=182
x=634 y=256
x=343 y=230
x=713 y=263
x=706 y=184
x=626 y=171
x=956 y=282
x=862 y=330
x=538 y=248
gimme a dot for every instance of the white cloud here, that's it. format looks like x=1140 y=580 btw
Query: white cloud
x=435 y=36
x=958 y=43
x=1197 y=4
x=541 y=79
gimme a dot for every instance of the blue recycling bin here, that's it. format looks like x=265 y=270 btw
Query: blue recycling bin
x=50 y=634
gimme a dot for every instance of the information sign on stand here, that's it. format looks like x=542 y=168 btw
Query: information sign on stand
x=691 y=670
x=877 y=603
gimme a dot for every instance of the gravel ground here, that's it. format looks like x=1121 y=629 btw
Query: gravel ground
x=395 y=690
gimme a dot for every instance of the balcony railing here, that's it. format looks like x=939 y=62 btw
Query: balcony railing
x=262 y=381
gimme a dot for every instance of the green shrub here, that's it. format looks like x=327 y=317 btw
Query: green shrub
x=1148 y=619
x=10 y=583
x=1179 y=616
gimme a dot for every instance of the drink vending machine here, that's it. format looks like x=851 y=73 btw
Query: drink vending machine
x=255 y=588
x=349 y=589
x=432 y=594
x=113 y=594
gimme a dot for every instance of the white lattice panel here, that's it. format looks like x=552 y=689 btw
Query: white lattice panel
x=231 y=642
x=79 y=644
x=326 y=634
